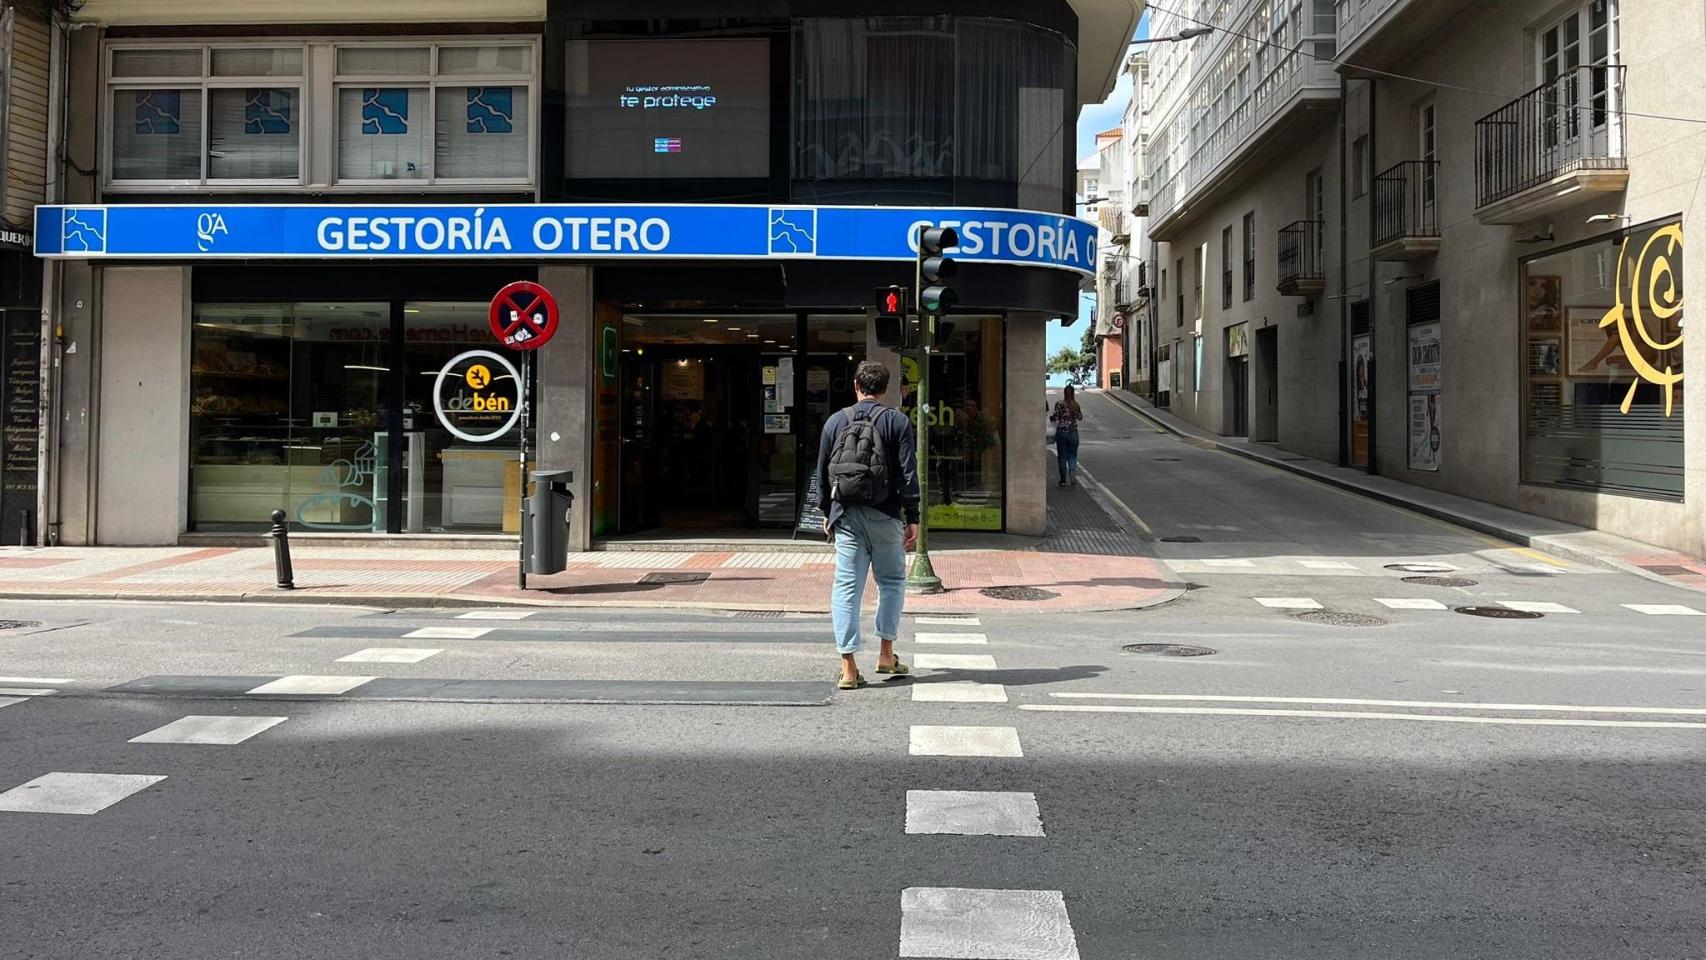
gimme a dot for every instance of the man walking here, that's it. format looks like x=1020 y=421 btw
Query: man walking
x=867 y=469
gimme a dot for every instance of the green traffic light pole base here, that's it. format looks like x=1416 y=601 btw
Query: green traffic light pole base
x=922 y=580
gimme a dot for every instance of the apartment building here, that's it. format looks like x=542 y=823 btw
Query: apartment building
x=284 y=223
x=1109 y=206
x=1489 y=300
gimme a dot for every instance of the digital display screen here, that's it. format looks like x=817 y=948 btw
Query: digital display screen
x=644 y=109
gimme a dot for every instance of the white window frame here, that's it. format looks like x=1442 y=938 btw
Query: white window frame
x=203 y=84
x=432 y=81
x=317 y=105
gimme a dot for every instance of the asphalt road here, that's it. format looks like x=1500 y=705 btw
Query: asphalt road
x=1430 y=785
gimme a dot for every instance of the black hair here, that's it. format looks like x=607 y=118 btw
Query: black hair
x=872 y=378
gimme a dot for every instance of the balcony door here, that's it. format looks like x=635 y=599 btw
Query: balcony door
x=1574 y=57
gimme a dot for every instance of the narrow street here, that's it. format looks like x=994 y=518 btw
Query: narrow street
x=1356 y=770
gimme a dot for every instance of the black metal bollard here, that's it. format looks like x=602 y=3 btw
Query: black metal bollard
x=281 y=551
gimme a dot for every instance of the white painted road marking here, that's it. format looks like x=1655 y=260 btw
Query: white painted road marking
x=390 y=655
x=954 y=661
x=1226 y=562
x=76 y=793
x=302 y=683
x=1288 y=603
x=26 y=692
x=216 y=730
x=959 y=691
x=447 y=633
x=1357 y=715
x=1537 y=606
x=495 y=615
x=1409 y=603
x=8 y=701
x=1664 y=610
x=962 y=638
x=1327 y=564
x=954 y=621
x=966 y=924
x=973 y=813
x=35 y=681
x=1420 y=704
x=965 y=742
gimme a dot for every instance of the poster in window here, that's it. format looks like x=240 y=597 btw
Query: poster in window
x=1543 y=302
x=1424 y=358
x=1362 y=350
x=1424 y=431
x=1545 y=358
x=1594 y=351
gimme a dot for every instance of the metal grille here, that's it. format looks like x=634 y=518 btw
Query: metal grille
x=1360 y=318
x=1421 y=302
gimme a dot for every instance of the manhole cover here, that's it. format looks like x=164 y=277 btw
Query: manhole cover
x=1181 y=539
x=1668 y=570
x=1422 y=567
x=1018 y=593
x=18 y=624
x=1440 y=581
x=1499 y=613
x=1335 y=618
x=1168 y=650
x=699 y=576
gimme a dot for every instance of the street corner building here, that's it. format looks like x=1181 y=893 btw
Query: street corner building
x=268 y=258
x=1445 y=242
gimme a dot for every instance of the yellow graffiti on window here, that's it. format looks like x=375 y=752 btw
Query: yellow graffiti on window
x=1651 y=297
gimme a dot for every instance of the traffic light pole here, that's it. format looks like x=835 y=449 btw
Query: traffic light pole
x=922 y=579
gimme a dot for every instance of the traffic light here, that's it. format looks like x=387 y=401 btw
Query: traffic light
x=934 y=296
x=891 y=316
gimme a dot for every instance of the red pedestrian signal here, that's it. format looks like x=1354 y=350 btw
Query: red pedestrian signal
x=891 y=302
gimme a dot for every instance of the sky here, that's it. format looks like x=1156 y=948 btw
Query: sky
x=1093 y=119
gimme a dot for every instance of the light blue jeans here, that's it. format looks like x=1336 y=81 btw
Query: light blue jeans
x=867 y=539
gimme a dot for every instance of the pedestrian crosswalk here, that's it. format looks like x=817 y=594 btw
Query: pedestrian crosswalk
x=1520 y=606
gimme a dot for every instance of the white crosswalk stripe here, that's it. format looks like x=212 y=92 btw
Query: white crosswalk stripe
x=1227 y=562
x=495 y=615
x=447 y=633
x=74 y=793
x=311 y=685
x=954 y=661
x=959 y=691
x=1664 y=610
x=1288 y=603
x=224 y=731
x=931 y=741
x=949 y=621
x=971 y=924
x=1327 y=565
x=1409 y=603
x=390 y=655
x=1537 y=606
x=960 y=638
x=973 y=813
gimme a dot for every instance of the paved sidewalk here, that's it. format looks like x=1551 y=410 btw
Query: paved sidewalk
x=1565 y=540
x=1087 y=562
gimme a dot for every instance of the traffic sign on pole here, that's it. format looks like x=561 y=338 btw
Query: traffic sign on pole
x=523 y=315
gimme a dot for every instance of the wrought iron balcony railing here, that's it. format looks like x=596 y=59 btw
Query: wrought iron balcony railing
x=1302 y=258
x=1406 y=203
x=1571 y=123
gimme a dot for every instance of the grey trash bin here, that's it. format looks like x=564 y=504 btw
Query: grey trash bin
x=547 y=518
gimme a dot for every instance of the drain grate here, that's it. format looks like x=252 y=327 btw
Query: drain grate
x=1440 y=581
x=1018 y=593
x=1422 y=567
x=1169 y=650
x=1168 y=460
x=1336 y=618
x=758 y=614
x=18 y=624
x=1668 y=570
x=1293 y=459
x=698 y=576
x=1181 y=539
x=1499 y=613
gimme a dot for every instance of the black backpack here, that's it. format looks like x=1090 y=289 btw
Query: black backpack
x=859 y=464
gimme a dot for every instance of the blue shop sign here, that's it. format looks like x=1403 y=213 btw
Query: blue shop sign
x=555 y=231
